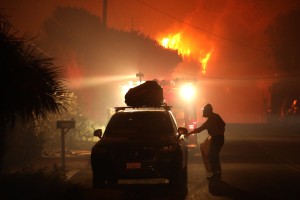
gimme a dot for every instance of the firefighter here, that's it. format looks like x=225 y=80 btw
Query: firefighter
x=215 y=127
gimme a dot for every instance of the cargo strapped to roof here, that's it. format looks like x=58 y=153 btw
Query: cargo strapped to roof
x=148 y=94
x=117 y=109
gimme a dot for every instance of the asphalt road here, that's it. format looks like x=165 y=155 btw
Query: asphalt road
x=258 y=162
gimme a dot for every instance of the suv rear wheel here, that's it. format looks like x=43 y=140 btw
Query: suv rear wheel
x=179 y=184
x=179 y=181
x=98 y=182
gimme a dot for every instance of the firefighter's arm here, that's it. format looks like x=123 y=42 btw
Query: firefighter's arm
x=193 y=132
x=198 y=130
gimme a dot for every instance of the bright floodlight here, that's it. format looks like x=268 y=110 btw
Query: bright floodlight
x=187 y=92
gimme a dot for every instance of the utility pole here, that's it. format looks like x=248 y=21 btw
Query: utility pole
x=140 y=75
x=104 y=13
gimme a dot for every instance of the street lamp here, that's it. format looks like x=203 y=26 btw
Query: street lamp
x=140 y=75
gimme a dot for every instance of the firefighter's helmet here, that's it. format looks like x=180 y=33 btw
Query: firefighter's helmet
x=208 y=108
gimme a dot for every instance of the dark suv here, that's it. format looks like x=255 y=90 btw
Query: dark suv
x=140 y=146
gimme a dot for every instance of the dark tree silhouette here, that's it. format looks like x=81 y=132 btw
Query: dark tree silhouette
x=285 y=43
x=104 y=50
x=31 y=85
x=99 y=51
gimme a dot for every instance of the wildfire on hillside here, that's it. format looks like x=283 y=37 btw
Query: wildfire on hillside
x=186 y=49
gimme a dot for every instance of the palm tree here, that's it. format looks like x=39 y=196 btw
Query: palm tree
x=31 y=86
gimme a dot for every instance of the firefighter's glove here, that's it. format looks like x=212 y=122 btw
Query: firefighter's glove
x=191 y=133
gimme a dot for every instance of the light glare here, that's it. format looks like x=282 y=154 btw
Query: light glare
x=97 y=80
x=187 y=92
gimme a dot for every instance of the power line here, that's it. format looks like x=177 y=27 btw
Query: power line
x=198 y=28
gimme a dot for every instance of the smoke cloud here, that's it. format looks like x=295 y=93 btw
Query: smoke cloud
x=234 y=31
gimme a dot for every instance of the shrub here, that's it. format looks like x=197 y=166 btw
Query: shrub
x=38 y=184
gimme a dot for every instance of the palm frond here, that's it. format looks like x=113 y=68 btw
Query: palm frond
x=31 y=84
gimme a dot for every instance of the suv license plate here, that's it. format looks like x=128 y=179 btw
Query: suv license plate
x=133 y=165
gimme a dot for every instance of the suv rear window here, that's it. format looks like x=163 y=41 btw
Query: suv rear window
x=140 y=124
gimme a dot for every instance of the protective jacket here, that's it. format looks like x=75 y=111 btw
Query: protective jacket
x=214 y=125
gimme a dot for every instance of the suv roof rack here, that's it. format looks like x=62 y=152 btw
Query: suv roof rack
x=166 y=107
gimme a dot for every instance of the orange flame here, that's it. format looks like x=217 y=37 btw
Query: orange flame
x=177 y=42
x=204 y=62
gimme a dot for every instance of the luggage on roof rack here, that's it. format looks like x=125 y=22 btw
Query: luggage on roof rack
x=166 y=107
x=148 y=94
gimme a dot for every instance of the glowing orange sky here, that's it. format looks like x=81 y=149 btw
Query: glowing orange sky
x=205 y=23
x=233 y=30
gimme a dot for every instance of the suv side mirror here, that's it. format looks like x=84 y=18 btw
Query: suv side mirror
x=98 y=133
x=182 y=131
